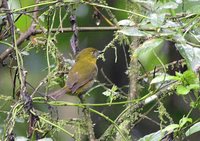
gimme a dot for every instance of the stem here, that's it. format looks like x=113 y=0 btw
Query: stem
x=88 y=120
x=116 y=9
x=49 y=122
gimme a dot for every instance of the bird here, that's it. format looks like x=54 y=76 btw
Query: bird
x=82 y=74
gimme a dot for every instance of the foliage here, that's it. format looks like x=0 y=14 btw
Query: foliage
x=149 y=29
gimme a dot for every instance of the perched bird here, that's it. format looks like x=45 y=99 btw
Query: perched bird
x=82 y=74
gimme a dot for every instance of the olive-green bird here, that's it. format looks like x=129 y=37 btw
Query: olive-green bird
x=82 y=74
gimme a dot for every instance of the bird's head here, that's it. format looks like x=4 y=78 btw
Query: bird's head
x=88 y=53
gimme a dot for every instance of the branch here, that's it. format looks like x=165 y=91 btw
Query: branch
x=83 y=29
x=134 y=107
x=9 y=18
x=32 y=31
x=88 y=120
x=136 y=104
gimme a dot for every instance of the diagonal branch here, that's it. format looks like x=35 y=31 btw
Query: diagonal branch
x=31 y=31
x=9 y=18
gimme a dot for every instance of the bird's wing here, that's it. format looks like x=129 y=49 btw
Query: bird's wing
x=80 y=74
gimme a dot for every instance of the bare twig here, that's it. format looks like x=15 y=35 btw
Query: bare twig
x=83 y=29
x=32 y=31
x=104 y=17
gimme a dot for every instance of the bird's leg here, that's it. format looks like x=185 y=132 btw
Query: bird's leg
x=82 y=99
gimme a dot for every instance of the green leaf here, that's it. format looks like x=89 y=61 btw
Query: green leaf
x=181 y=90
x=145 y=53
x=171 y=24
x=167 y=31
x=25 y=53
x=190 y=54
x=194 y=9
x=178 y=74
x=171 y=127
x=194 y=86
x=148 y=46
x=126 y=22
x=168 y=5
x=193 y=129
x=157 y=136
x=21 y=138
x=45 y=139
x=190 y=77
x=179 y=38
x=163 y=78
x=131 y=31
x=157 y=19
x=184 y=120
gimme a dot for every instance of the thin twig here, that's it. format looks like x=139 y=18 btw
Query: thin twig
x=135 y=106
x=10 y=20
x=32 y=31
x=109 y=81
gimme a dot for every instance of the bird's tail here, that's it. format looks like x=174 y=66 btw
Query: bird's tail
x=56 y=94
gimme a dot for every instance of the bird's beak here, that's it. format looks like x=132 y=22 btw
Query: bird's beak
x=100 y=52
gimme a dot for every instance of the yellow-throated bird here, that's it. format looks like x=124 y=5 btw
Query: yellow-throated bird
x=82 y=74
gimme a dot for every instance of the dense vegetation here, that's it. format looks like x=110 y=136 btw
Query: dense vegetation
x=148 y=81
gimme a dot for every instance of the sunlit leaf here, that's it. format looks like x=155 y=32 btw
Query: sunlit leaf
x=190 y=77
x=182 y=90
x=167 y=32
x=193 y=129
x=132 y=31
x=184 y=120
x=21 y=138
x=162 y=78
x=157 y=136
x=171 y=127
x=179 y=1
x=147 y=2
x=179 y=38
x=194 y=86
x=45 y=139
x=168 y=5
x=194 y=9
x=126 y=22
x=157 y=19
x=25 y=53
x=190 y=54
x=170 y=24
x=148 y=46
